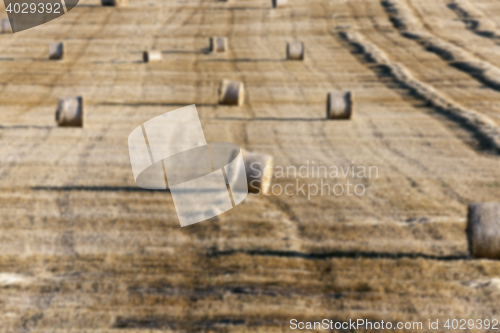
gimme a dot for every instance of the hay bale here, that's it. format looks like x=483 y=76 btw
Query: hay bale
x=218 y=44
x=259 y=170
x=115 y=3
x=483 y=230
x=279 y=3
x=339 y=105
x=56 y=51
x=152 y=56
x=231 y=93
x=295 y=51
x=6 y=27
x=479 y=123
x=70 y=112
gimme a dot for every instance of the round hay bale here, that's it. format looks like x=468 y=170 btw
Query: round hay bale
x=231 y=93
x=259 y=170
x=56 y=51
x=339 y=105
x=279 y=3
x=115 y=3
x=70 y=112
x=295 y=51
x=218 y=44
x=151 y=56
x=6 y=27
x=483 y=230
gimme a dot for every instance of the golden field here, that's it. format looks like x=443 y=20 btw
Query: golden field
x=82 y=249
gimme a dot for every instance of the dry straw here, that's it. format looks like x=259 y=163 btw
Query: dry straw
x=477 y=20
x=411 y=27
x=472 y=119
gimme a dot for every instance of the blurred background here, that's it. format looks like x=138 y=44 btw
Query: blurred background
x=83 y=249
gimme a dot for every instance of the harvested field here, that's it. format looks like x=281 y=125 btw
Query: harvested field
x=83 y=249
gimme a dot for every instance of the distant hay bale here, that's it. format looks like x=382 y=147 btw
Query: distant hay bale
x=295 y=51
x=279 y=3
x=151 y=56
x=218 y=44
x=483 y=230
x=6 y=27
x=259 y=170
x=231 y=93
x=339 y=105
x=115 y=3
x=70 y=112
x=56 y=51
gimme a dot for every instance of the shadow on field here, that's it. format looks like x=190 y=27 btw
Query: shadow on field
x=95 y=189
x=245 y=60
x=268 y=119
x=337 y=254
